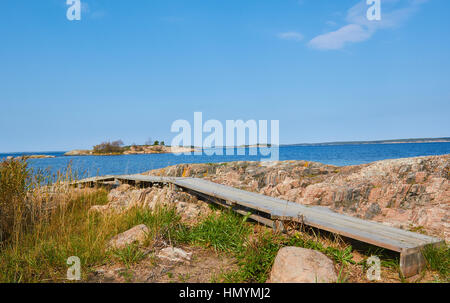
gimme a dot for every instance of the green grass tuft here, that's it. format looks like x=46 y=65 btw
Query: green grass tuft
x=224 y=232
x=256 y=258
x=129 y=255
x=438 y=259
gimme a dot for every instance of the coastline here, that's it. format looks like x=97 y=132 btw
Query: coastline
x=30 y=157
x=138 y=150
x=395 y=141
x=135 y=150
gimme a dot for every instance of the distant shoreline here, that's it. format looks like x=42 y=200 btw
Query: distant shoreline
x=192 y=149
x=394 y=141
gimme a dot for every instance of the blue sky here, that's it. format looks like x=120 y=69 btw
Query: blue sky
x=128 y=69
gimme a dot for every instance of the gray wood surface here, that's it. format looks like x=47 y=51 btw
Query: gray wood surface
x=370 y=232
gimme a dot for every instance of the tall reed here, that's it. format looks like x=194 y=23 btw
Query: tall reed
x=15 y=183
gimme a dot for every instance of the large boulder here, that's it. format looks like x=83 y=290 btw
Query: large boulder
x=300 y=265
x=137 y=234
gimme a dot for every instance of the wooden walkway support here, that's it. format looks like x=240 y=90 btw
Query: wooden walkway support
x=276 y=212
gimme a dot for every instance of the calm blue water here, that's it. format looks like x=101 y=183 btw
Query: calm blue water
x=337 y=155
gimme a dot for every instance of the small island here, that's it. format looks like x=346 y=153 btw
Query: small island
x=25 y=157
x=118 y=148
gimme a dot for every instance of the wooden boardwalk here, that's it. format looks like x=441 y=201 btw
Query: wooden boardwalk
x=276 y=212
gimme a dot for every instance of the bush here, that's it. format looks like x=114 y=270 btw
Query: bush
x=109 y=147
x=15 y=181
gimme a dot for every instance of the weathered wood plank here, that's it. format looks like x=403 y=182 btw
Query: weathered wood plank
x=381 y=235
x=408 y=244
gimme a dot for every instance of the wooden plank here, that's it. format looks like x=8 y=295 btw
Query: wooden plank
x=407 y=243
x=93 y=180
x=370 y=232
x=143 y=178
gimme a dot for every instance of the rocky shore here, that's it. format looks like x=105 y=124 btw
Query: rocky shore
x=411 y=193
x=31 y=157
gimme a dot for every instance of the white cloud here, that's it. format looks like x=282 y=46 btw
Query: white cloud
x=337 y=39
x=295 y=36
x=359 y=28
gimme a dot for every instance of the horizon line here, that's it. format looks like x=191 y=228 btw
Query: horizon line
x=386 y=141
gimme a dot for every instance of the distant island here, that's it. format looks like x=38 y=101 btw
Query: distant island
x=395 y=141
x=30 y=157
x=118 y=148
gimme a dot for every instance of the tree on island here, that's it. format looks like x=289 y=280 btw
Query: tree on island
x=109 y=147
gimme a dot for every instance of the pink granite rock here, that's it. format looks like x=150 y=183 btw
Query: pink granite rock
x=410 y=193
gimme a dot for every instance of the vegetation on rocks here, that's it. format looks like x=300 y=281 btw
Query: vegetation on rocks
x=115 y=147
x=118 y=148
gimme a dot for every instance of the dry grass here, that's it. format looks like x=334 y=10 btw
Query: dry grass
x=44 y=223
x=27 y=197
x=40 y=254
x=15 y=181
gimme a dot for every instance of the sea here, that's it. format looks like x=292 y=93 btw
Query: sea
x=339 y=155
